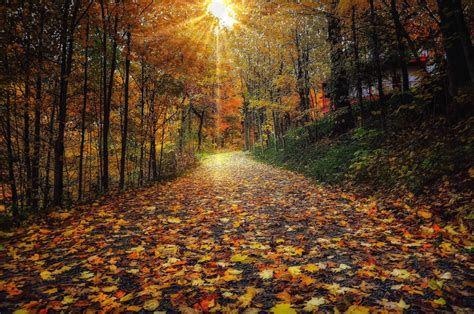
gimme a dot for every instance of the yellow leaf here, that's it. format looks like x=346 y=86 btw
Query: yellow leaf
x=21 y=311
x=68 y=300
x=127 y=297
x=110 y=289
x=424 y=214
x=357 y=309
x=232 y=271
x=174 y=220
x=133 y=308
x=238 y=258
x=266 y=274
x=401 y=305
x=35 y=258
x=151 y=305
x=401 y=273
x=312 y=268
x=46 y=275
x=87 y=275
x=283 y=308
x=294 y=270
x=246 y=299
x=51 y=291
x=435 y=284
x=440 y=301
x=313 y=304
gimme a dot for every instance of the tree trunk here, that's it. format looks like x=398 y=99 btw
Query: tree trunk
x=26 y=125
x=376 y=57
x=163 y=130
x=11 y=169
x=200 y=128
x=83 y=114
x=35 y=172
x=125 y=115
x=456 y=44
x=67 y=42
x=401 y=47
x=339 y=83
x=357 y=66
x=47 y=187
x=107 y=109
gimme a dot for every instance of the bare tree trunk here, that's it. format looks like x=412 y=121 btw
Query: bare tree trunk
x=125 y=115
x=107 y=109
x=142 y=116
x=11 y=167
x=47 y=187
x=35 y=173
x=26 y=125
x=83 y=114
x=401 y=47
x=67 y=42
x=339 y=83
x=376 y=56
x=357 y=66
x=459 y=57
x=163 y=131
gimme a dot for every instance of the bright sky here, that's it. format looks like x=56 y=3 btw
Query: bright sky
x=221 y=10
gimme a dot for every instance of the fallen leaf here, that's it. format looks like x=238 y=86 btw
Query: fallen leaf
x=283 y=308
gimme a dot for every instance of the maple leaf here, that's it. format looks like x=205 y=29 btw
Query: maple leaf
x=284 y=296
x=151 y=305
x=294 y=270
x=283 y=308
x=174 y=220
x=35 y=257
x=357 y=309
x=68 y=300
x=440 y=301
x=46 y=275
x=435 y=284
x=51 y=291
x=313 y=304
x=424 y=214
x=247 y=298
x=236 y=258
x=266 y=274
x=312 y=268
x=127 y=297
x=110 y=289
x=401 y=273
x=341 y=268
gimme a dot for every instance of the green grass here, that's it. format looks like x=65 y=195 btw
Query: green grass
x=411 y=158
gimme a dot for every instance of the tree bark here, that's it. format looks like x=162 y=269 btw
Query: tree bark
x=83 y=114
x=125 y=114
x=376 y=57
x=339 y=83
x=456 y=41
x=107 y=109
x=401 y=47
x=11 y=167
x=35 y=172
x=357 y=66
x=67 y=43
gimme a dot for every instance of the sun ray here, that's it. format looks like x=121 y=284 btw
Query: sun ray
x=223 y=12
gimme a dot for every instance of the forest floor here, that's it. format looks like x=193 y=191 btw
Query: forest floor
x=237 y=234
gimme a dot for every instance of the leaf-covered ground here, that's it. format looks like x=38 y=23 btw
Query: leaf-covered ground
x=237 y=235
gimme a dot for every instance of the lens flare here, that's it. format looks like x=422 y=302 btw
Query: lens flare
x=222 y=12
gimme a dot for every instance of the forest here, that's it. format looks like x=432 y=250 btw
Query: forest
x=236 y=156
